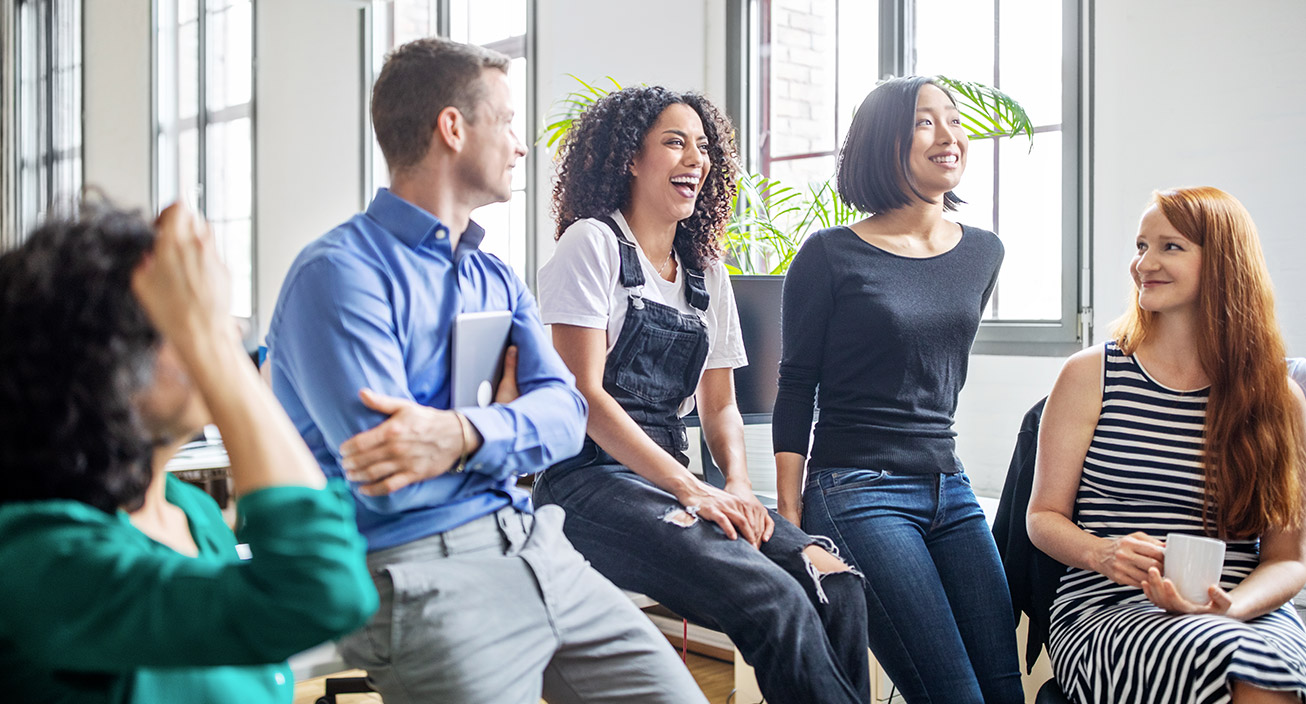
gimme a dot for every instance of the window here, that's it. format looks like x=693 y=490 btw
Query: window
x=811 y=77
x=808 y=74
x=1028 y=193
x=204 y=128
x=46 y=117
x=501 y=25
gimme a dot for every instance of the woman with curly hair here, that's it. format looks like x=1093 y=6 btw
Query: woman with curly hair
x=1185 y=423
x=643 y=314
x=124 y=584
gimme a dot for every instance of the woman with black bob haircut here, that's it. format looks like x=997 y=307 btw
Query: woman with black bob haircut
x=644 y=316
x=878 y=319
x=126 y=584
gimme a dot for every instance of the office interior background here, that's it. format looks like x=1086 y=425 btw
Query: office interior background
x=256 y=111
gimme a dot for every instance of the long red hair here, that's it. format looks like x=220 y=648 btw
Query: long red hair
x=1255 y=452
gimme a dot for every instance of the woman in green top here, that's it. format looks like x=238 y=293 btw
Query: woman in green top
x=119 y=583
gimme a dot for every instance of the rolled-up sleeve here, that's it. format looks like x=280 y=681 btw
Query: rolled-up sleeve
x=95 y=599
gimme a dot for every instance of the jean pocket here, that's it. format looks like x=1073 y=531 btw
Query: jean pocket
x=841 y=480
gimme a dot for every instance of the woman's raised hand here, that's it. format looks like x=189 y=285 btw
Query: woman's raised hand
x=1127 y=559
x=181 y=283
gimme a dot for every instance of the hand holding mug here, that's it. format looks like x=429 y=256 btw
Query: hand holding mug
x=1191 y=581
x=1163 y=592
x=1127 y=559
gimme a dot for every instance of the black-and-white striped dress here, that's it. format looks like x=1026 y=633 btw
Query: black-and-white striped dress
x=1108 y=643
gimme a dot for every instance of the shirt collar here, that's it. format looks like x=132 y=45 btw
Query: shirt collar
x=414 y=226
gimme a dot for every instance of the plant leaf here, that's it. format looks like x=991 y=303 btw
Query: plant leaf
x=988 y=112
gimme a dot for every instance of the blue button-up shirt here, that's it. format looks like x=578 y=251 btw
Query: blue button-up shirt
x=371 y=304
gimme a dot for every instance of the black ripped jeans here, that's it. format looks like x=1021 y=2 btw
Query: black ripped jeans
x=804 y=633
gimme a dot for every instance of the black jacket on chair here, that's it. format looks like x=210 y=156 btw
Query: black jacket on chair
x=1032 y=576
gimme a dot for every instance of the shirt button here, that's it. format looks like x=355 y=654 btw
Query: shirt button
x=440 y=233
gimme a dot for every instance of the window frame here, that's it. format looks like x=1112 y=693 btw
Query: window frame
x=204 y=118
x=996 y=337
x=52 y=178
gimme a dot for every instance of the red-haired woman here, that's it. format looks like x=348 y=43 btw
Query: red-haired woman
x=1187 y=423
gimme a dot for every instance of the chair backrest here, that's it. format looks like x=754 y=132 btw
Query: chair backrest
x=758 y=301
x=1032 y=576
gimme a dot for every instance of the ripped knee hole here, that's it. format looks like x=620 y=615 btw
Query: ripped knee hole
x=679 y=517
x=823 y=561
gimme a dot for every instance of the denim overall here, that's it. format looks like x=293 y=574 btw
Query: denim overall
x=659 y=354
x=804 y=633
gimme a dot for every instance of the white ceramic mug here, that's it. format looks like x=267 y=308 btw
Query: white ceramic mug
x=1194 y=564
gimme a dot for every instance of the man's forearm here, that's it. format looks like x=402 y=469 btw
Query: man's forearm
x=543 y=427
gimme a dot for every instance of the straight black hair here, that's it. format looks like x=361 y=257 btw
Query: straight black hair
x=873 y=165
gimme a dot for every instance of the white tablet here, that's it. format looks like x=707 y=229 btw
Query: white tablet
x=476 y=358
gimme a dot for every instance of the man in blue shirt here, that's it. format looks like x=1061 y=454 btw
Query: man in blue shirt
x=481 y=601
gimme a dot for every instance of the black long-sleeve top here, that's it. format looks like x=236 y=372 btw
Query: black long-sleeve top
x=886 y=340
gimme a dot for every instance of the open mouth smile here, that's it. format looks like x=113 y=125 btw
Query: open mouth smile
x=686 y=185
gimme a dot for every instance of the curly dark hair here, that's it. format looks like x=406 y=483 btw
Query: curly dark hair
x=75 y=347
x=594 y=165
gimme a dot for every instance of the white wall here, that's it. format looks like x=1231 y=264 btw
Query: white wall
x=116 y=99
x=1202 y=92
x=1189 y=92
x=308 y=166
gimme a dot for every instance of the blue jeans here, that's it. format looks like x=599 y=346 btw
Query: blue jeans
x=806 y=636
x=938 y=608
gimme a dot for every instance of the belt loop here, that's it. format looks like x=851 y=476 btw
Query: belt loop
x=512 y=527
x=502 y=521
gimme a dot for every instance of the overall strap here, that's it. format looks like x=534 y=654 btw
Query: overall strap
x=696 y=288
x=632 y=274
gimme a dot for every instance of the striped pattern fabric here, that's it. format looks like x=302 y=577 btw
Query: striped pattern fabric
x=1108 y=643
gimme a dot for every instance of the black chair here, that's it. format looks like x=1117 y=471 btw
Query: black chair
x=344 y=685
x=1050 y=693
x=1032 y=576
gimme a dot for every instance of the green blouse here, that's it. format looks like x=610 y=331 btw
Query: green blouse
x=95 y=611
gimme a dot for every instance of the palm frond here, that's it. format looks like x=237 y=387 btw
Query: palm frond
x=564 y=110
x=987 y=112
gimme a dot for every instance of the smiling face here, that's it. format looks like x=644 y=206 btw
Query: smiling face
x=669 y=170
x=939 y=143
x=1167 y=266
x=492 y=148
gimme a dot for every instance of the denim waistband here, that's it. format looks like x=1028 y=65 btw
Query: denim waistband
x=503 y=531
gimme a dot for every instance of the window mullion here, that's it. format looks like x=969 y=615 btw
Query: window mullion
x=47 y=101
x=443 y=26
x=896 y=38
x=202 y=106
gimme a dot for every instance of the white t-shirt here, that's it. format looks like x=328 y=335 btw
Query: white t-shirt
x=581 y=286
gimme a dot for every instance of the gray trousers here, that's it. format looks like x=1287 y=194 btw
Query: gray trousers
x=503 y=610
